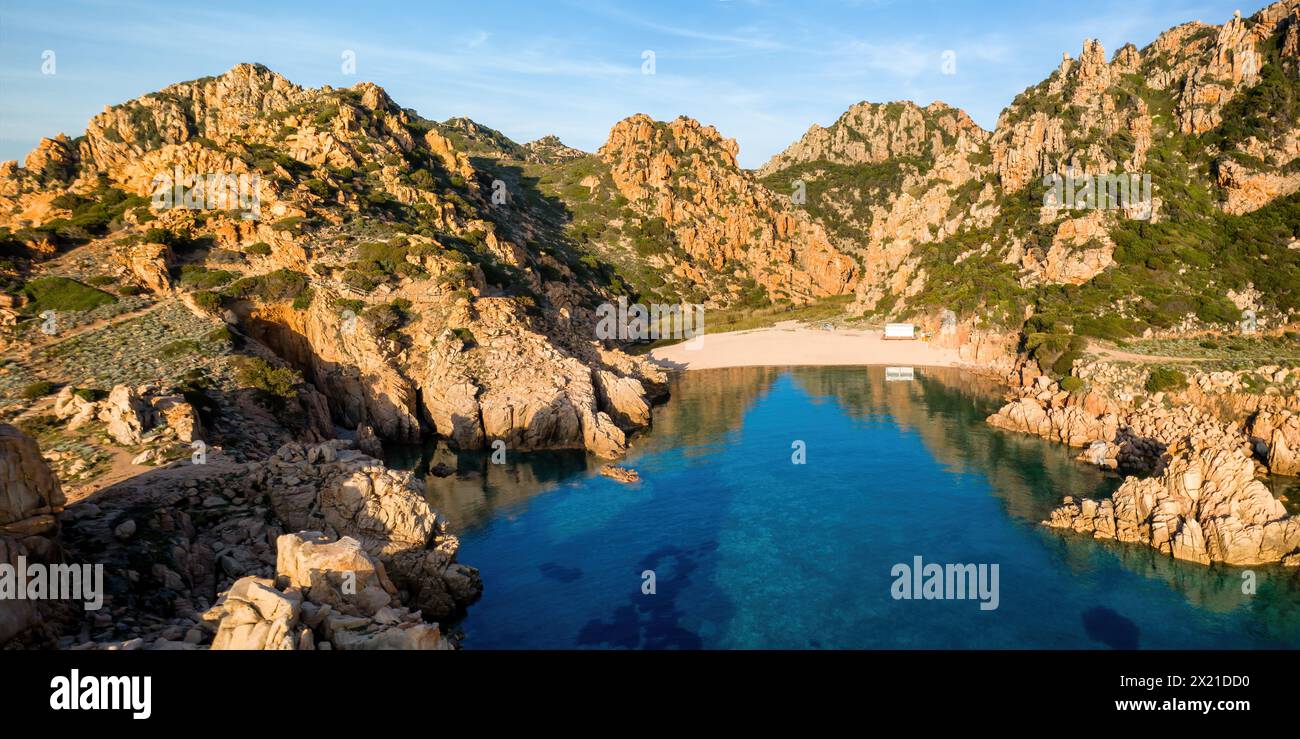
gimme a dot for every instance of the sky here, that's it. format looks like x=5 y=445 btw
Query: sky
x=761 y=71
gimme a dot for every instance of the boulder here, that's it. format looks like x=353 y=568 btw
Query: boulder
x=335 y=573
x=341 y=492
x=30 y=494
x=254 y=615
x=1206 y=506
x=125 y=415
x=76 y=410
x=328 y=594
x=1280 y=432
x=151 y=265
x=177 y=414
x=368 y=442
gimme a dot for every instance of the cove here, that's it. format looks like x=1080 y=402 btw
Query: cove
x=752 y=551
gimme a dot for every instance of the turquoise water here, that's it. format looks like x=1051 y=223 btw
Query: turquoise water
x=750 y=550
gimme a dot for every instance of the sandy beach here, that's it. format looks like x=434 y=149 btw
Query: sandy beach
x=792 y=343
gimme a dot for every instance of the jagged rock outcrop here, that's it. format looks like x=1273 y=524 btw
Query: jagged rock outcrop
x=150 y=264
x=342 y=492
x=686 y=173
x=125 y=415
x=1080 y=250
x=872 y=133
x=1280 y=433
x=30 y=496
x=1246 y=190
x=1119 y=433
x=920 y=159
x=1070 y=425
x=464 y=269
x=327 y=594
x=1090 y=118
x=550 y=150
x=1205 y=507
x=254 y=615
x=53 y=160
x=30 y=501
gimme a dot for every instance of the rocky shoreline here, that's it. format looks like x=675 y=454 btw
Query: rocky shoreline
x=1192 y=458
x=317 y=547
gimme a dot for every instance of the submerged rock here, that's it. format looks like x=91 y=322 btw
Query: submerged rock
x=622 y=474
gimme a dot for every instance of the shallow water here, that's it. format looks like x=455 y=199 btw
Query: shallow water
x=750 y=550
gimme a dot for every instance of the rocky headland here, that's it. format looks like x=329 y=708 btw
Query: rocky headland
x=199 y=377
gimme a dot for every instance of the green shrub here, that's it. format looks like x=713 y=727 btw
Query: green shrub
x=63 y=294
x=208 y=301
x=219 y=335
x=38 y=390
x=282 y=284
x=303 y=301
x=384 y=319
x=466 y=337
x=1071 y=384
x=1165 y=378
x=360 y=281
x=278 y=384
x=259 y=249
x=178 y=348
x=202 y=278
x=345 y=304
x=90 y=394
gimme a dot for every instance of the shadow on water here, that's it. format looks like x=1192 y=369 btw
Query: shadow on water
x=477 y=490
x=559 y=572
x=1108 y=627
x=653 y=619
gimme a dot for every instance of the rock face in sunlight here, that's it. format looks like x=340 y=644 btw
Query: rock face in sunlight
x=231 y=310
x=328 y=594
x=934 y=206
x=1192 y=492
x=344 y=493
x=30 y=495
x=686 y=174
x=30 y=501
x=1205 y=507
x=359 y=305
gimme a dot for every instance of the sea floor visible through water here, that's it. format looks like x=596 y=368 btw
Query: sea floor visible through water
x=748 y=549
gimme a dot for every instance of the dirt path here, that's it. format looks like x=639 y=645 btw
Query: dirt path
x=89 y=328
x=1117 y=355
x=120 y=468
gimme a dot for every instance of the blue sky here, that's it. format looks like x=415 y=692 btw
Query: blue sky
x=761 y=71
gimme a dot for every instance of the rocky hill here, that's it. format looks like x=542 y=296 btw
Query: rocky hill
x=417 y=291
x=684 y=175
x=886 y=178
x=949 y=217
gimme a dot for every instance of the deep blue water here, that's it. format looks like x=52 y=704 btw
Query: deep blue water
x=752 y=551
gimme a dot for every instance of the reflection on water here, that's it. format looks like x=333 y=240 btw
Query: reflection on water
x=750 y=550
x=478 y=489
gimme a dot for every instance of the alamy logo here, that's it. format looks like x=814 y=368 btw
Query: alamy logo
x=102 y=693
x=636 y=322
x=38 y=581
x=1129 y=192
x=931 y=581
x=212 y=191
